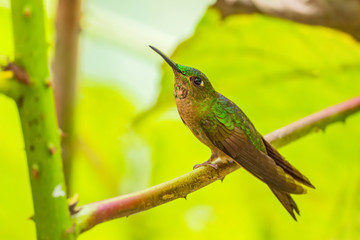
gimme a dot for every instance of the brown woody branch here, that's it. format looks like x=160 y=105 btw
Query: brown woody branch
x=337 y=14
x=65 y=74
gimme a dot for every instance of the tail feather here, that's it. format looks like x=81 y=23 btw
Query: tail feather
x=288 y=168
x=287 y=201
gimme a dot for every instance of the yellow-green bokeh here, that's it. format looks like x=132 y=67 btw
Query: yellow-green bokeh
x=277 y=72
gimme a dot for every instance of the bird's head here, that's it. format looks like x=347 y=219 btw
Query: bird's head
x=196 y=85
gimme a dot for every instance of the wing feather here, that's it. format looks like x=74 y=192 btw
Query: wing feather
x=288 y=168
x=237 y=145
x=228 y=128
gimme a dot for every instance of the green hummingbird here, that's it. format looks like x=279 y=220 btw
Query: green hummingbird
x=225 y=129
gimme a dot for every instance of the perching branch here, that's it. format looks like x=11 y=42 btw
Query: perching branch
x=314 y=122
x=337 y=14
x=65 y=74
x=94 y=213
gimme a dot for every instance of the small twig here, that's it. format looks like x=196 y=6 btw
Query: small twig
x=9 y=84
x=98 y=212
x=19 y=73
x=6 y=82
x=8 y=74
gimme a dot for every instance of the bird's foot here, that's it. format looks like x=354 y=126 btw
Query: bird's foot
x=207 y=163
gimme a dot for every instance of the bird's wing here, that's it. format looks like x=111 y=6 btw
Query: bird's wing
x=288 y=168
x=224 y=133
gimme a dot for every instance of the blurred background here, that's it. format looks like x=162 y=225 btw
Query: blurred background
x=128 y=136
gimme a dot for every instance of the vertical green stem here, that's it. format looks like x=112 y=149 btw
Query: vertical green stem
x=38 y=120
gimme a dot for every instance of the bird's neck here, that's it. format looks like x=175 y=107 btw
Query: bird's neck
x=190 y=110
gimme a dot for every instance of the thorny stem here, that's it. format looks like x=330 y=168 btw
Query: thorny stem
x=35 y=102
x=94 y=213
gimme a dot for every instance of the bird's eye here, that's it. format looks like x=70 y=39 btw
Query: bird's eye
x=197 y=81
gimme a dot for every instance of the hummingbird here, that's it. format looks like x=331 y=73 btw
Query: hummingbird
x=222 y=126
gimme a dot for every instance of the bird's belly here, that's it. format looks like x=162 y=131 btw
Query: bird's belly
x=189 y=115
x=200 y=134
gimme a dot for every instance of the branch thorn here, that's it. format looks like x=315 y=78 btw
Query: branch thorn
x=52 y=148
x=35 y=171
x=19 y=73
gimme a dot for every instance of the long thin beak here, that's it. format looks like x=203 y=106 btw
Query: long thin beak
x=168 y=60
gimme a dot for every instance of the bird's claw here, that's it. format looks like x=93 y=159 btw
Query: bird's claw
x=213 y=165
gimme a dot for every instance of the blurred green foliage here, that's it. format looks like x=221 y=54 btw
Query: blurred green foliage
x=277 y=72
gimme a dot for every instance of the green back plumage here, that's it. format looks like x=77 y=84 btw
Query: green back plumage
x=230 y=115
